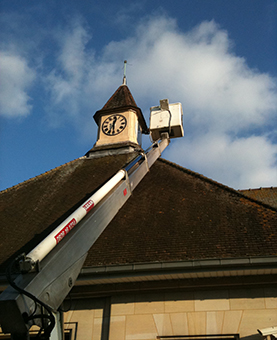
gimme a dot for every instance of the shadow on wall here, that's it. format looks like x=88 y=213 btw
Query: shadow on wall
x=252 y=337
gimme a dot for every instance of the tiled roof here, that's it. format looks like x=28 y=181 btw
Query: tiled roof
x=266 y=195
x=122 y=97
x=174 y=214
x=32 y=209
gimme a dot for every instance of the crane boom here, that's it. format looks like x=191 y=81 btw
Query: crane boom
x=61 y=263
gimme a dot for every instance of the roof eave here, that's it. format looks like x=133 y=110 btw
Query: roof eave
x=244 y=267
x=178 y=270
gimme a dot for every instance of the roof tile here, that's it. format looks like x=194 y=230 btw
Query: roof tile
x=173 y=215
x=266 y=195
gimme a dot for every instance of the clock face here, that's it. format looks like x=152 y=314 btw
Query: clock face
x=114 y=125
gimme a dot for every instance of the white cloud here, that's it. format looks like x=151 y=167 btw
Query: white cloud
x=16 y=78
x=66 y=82
x=240 y=163
x=222 y=97
x=215 y=86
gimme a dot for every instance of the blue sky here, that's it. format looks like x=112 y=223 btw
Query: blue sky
x=60 y=61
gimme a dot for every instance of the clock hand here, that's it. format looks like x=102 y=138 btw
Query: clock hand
x=112 y=126
x=113 y=123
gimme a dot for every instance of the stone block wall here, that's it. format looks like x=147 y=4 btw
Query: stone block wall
x=146 y=315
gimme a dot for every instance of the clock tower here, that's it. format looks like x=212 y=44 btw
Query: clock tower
x=120 y=124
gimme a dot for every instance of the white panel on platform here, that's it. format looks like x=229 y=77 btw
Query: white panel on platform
x=163 y=120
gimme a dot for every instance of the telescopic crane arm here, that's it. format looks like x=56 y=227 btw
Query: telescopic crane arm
x=50 y=270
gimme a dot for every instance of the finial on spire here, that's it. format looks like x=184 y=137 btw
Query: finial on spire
x=124 y=73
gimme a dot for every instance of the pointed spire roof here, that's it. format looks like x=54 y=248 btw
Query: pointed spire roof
x=122 y=100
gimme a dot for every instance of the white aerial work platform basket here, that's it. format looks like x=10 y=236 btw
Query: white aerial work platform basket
x=166 y=118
